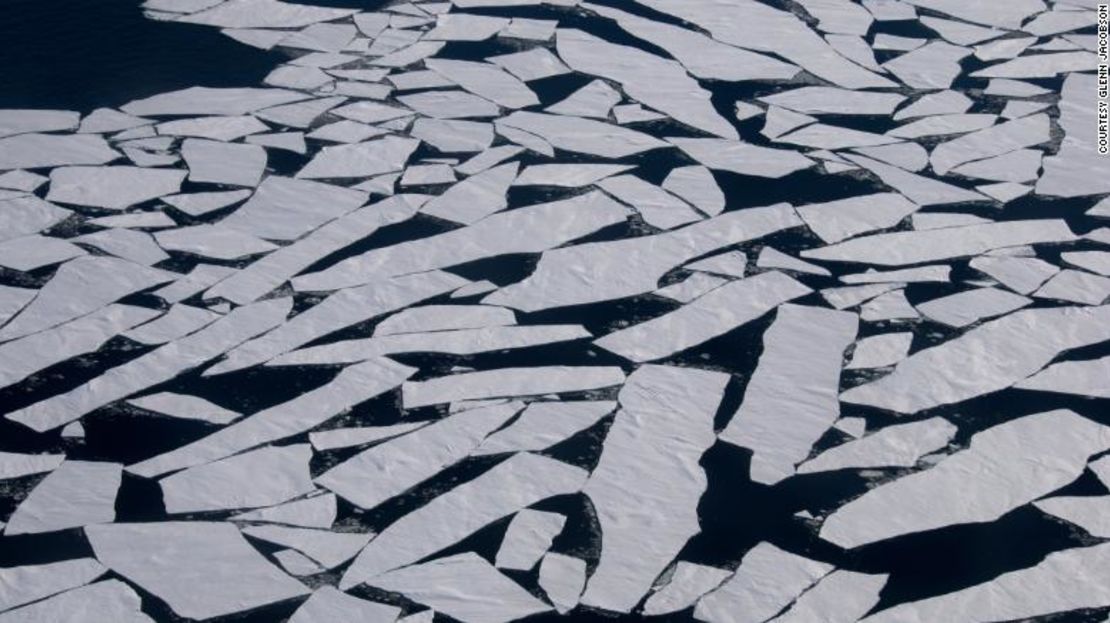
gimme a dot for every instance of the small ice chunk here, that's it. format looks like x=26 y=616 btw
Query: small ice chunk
x=178 y=322
x=223 y=163
x=16 y=465
x=1079 y=378
x=939 y=125
x=852 y=426
x=32 y=151
x=971 y=306
x=1021 y=274
x=595 y=100
x=427 y=175
x=288 y=141
x=562 y=579
x=501 y=382
x=880 y=351
x=283 y=208
x=656 y=206
x=328 y=604
x=128 y=244
x=1091 y=513
x=453 y=135
x=931 y=499
x=265 y=14
x=214 y=128
x=21 y=180
x=527 y=539
x=382 y=155
x=510 y=486
x=840 y=597
x=534 y=64
x=474 y=198
x=696 y=185
x=938 y=103
x=918 y=274
x=200 y=569
x=779 y=121
x=687 y=583
x=1075 y=286
x=530 y=29
x=994 y=141
x=703 y=319
x=767 y=580
x=798 y=374
x=389 y=469
x=449 y=104
x=838 y=220
x=113 y=187
x=185 y=406
x=933 y=66
x=914 y=247
x=329 y=549
x=728 y=264
x=24 y=584
x=489 y=158
x=76 y=494
x=769 y=257
x=884 y=41
x=691 y=287
x=483 y=79
x=938 y=220
x=155 y=367
x=199 y=204
x=888 y=306
x=14 y=122
x=543 y=424
x=31 y=252
x=657 y=439
x=586 y=136
x=1004 y=191
x=1039 y=66
x=314 y=512
x=359 y=436
x=262 y=477
x=445 y=318
x=567 y=175
x=742 y=158
x=900 y=445
x=850 y=296
x=110 y=600
x=213 y=241
x=464 y=587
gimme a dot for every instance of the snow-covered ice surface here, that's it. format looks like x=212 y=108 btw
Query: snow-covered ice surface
x=555 y=310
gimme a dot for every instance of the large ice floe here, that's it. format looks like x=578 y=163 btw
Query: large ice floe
x=735 y=311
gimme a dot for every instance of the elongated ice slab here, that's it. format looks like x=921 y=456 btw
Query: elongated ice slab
x=767 y=580
x=76 y=494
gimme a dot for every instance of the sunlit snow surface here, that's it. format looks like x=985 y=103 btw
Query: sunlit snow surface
x=492 y=310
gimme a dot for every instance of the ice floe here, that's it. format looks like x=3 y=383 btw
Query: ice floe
x=527 y=539
x=767 y=580
x=900 y=445
x=76 y=494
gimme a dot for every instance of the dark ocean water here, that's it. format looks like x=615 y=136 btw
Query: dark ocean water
x=84 y=54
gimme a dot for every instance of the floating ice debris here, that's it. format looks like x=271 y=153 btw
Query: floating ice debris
x=1022 y=165
x=530 y=29
x=185 y=406
x=543 y=424
x=465 y=27
x=109 y=600
x=313 y=512
x=798 y=374
x=756 y=26
x=223 y=163
x=742 y=158
x=154 y=367
x=855 y=49
x=264 y=14
x=840 y=597
x=854 y=427
x=779 y=121
x=178 y=322
x=209 y=101
x=262 y=477
x=769 y=257
x=1010 y=16
x=1040 y=65
x=202 y=276
x=135 y=220
x=449 y=104
x=453 y=135
x=1080 y=378
x=215 y=128
x=1074 y=169
x=1004 y=191
x=474 y=198
x=410 y=55
x=14 y=122
x=729 y=264
x=329 y=604
x=444 y=318
x=329 y=549
x=938 y=103
x=850 y=296
x=1001 y=352
x=595 y=99
x=21 y=180
x=353 y=385
x=884 y=41
x=1088 y=512
x=73 y=430
x=691 y=287
x=1009 y=47
x=12 y=300
x=562 y=579
x=213 y=241
x=1013 y=88
x=485 y=80
x=488 y=158
x=383 y=155
x=21 y=216
x=567 y=175
x=908 y=156
x=28 y=583
x=300 y=114
x=839 y=16
x=732 y=305
x=527 y=539
x=112 y=188
x=834 y=101
x=391 y=468
x=32 y=151
x=838 y=220
x=687 y=583
x=529 y=229
x=31 y=252
x=913 y=247
x=657 y=82
x=505 y=489
x=696 y=185
x=464 y=587
x=199 y=204
x=288 y=141
x=656 y=206
x=559 y=279
x=360 y=436
x=931 y=499
x=993 y=141
x=939 y=125
x=880 y=351
x=76 y=494
x=970 y=306
x=1070 y=579
x=81 y=286
x=664 y=425
x=534 y=64
x=585 y=136
x=1019 y=108
x=524 y=139
x=1021 y=274
x=767 y=580
x=700 y=55
x=1075 y=286
x=284 y=209
x=509 y=382
x=17 y=465
x=901 y=445
x=127 y=244
x=200 y=569
x=430 y=174
x=961 y=33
